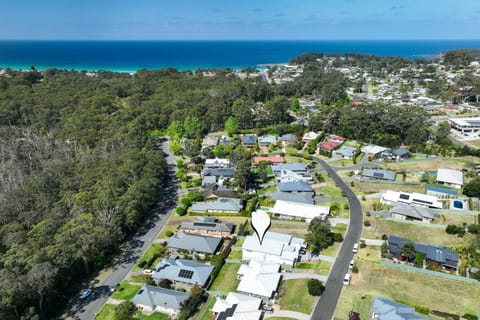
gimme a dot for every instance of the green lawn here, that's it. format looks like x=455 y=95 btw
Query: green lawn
x=239 y=242
x=332 y=192
x=339 y=228
x=106 y=313
x=204 y=311
x=371 y=187
x=434 y=163
x=227 y=278
x=331 y=251
x=155 y=248
x=163 y=233
x=126 y=291
x=341 y=163
x=342 y=209
x=235 y=254
x=374 y=280
x=296 y=297
x=320 y=267
x=455 y=218
x=153 y=316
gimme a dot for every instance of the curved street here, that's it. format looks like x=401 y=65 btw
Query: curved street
x=327 y=303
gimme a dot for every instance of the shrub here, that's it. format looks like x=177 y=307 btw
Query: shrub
x=368 y=214
x=181 y=211
x=364 y=198
x=142 y=264
x=384 y=237
x=367 y=223
x=355 y=269
x=445 y=315
x=315 y=287
x=169 y=233
x=337 y=237
x=362 y=244
x=124 y=311
x=469 y=316
x=422 y=309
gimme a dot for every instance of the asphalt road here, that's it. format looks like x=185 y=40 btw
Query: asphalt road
x=87 y=309
x=327 y=303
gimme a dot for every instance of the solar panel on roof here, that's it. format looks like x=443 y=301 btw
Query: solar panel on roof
x=187 y=274
x=204 y=224
x=404 y=196
x=378 y=174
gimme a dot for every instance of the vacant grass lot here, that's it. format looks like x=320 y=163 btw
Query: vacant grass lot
x=438 y=236
x=341 y=163
x=433 y=163
x=319 y=267
x=154 y=248
x=226 y=279
x=332 y=192
x=455 y=218
x=106 y=313
x=331 y=251
x=126 y=291
x=235 y=254
x=436 y=293
x=361 y=188
x=296 y=297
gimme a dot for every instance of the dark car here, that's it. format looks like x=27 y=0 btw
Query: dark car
x=267 y=308
x=85 y=294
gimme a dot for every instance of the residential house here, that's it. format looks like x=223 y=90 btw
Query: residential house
x=290 y=176
x=227 y=205
x=219 y=191
x=275 y=247
x=208 y=226
x=249 y=141
x=441 y=193
x=389 y=197
x=300 y=197
x=383 y=309
x=150 y=299
x=405 y=211
x=270 y=159
x=287 y=139
x=434 y=255
x=465 y=125
x=217 y=163
x=194 y=243
x=373 y=151
x=378 y=174
x=336 y=138
x=209 y=180
x=309 y=136
x=259 y=278
x=219 y=172
x=294 y=186
x=266 y=140
x=328 y=146
x=224 y=142
x=237 y=306
x=297 y=167
x=400 y=154
x=450 y=177
x=209 y=142
x=183 y=272
x=299 y=210
x=344 y=152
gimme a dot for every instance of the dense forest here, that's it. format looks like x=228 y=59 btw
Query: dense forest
x=80 y=163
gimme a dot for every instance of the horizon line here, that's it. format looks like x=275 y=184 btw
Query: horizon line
x=239 y=40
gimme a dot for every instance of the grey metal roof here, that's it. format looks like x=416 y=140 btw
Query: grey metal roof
x=400 y=152
x=208 y=226
x=195 y=242
x=288 y=138
x=219 y=172
x=379 y=174
x=174 y=270
x=249 y=140
x=346 y=151
x=295 y=167
x=156 y=296
x=413 y=211
x=390 y=310
x=219 y=205
x=303 y=197
x=294 y=186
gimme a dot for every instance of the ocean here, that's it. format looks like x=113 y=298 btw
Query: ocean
x=129 y=56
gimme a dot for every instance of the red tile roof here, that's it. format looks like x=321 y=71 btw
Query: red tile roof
x=329 y=145
x=271 y=159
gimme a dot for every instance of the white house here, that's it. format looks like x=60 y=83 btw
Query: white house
x=390 y=197
x=217 y=163
x=237 y=306
x=259 y=278
x=309 y=136
x=450 y=177
x=299 y=210
x=276 y=247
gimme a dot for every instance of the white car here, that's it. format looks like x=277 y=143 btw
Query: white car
x=346 y=280
x=85 y=294
x=148 y=272
x=355 y=248
x=352 y=263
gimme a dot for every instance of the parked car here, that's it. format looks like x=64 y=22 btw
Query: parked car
x=346 y=280
x=85 y=294
x=352 y=263
x=267 y=308
x=114 y=286
x=148 y=272
x=355 y=248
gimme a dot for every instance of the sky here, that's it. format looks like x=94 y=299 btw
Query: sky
x=239 y=19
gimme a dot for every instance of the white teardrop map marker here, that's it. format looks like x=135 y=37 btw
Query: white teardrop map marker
x=260 y=223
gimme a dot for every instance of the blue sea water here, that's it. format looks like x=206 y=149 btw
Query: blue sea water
x=129 y=56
